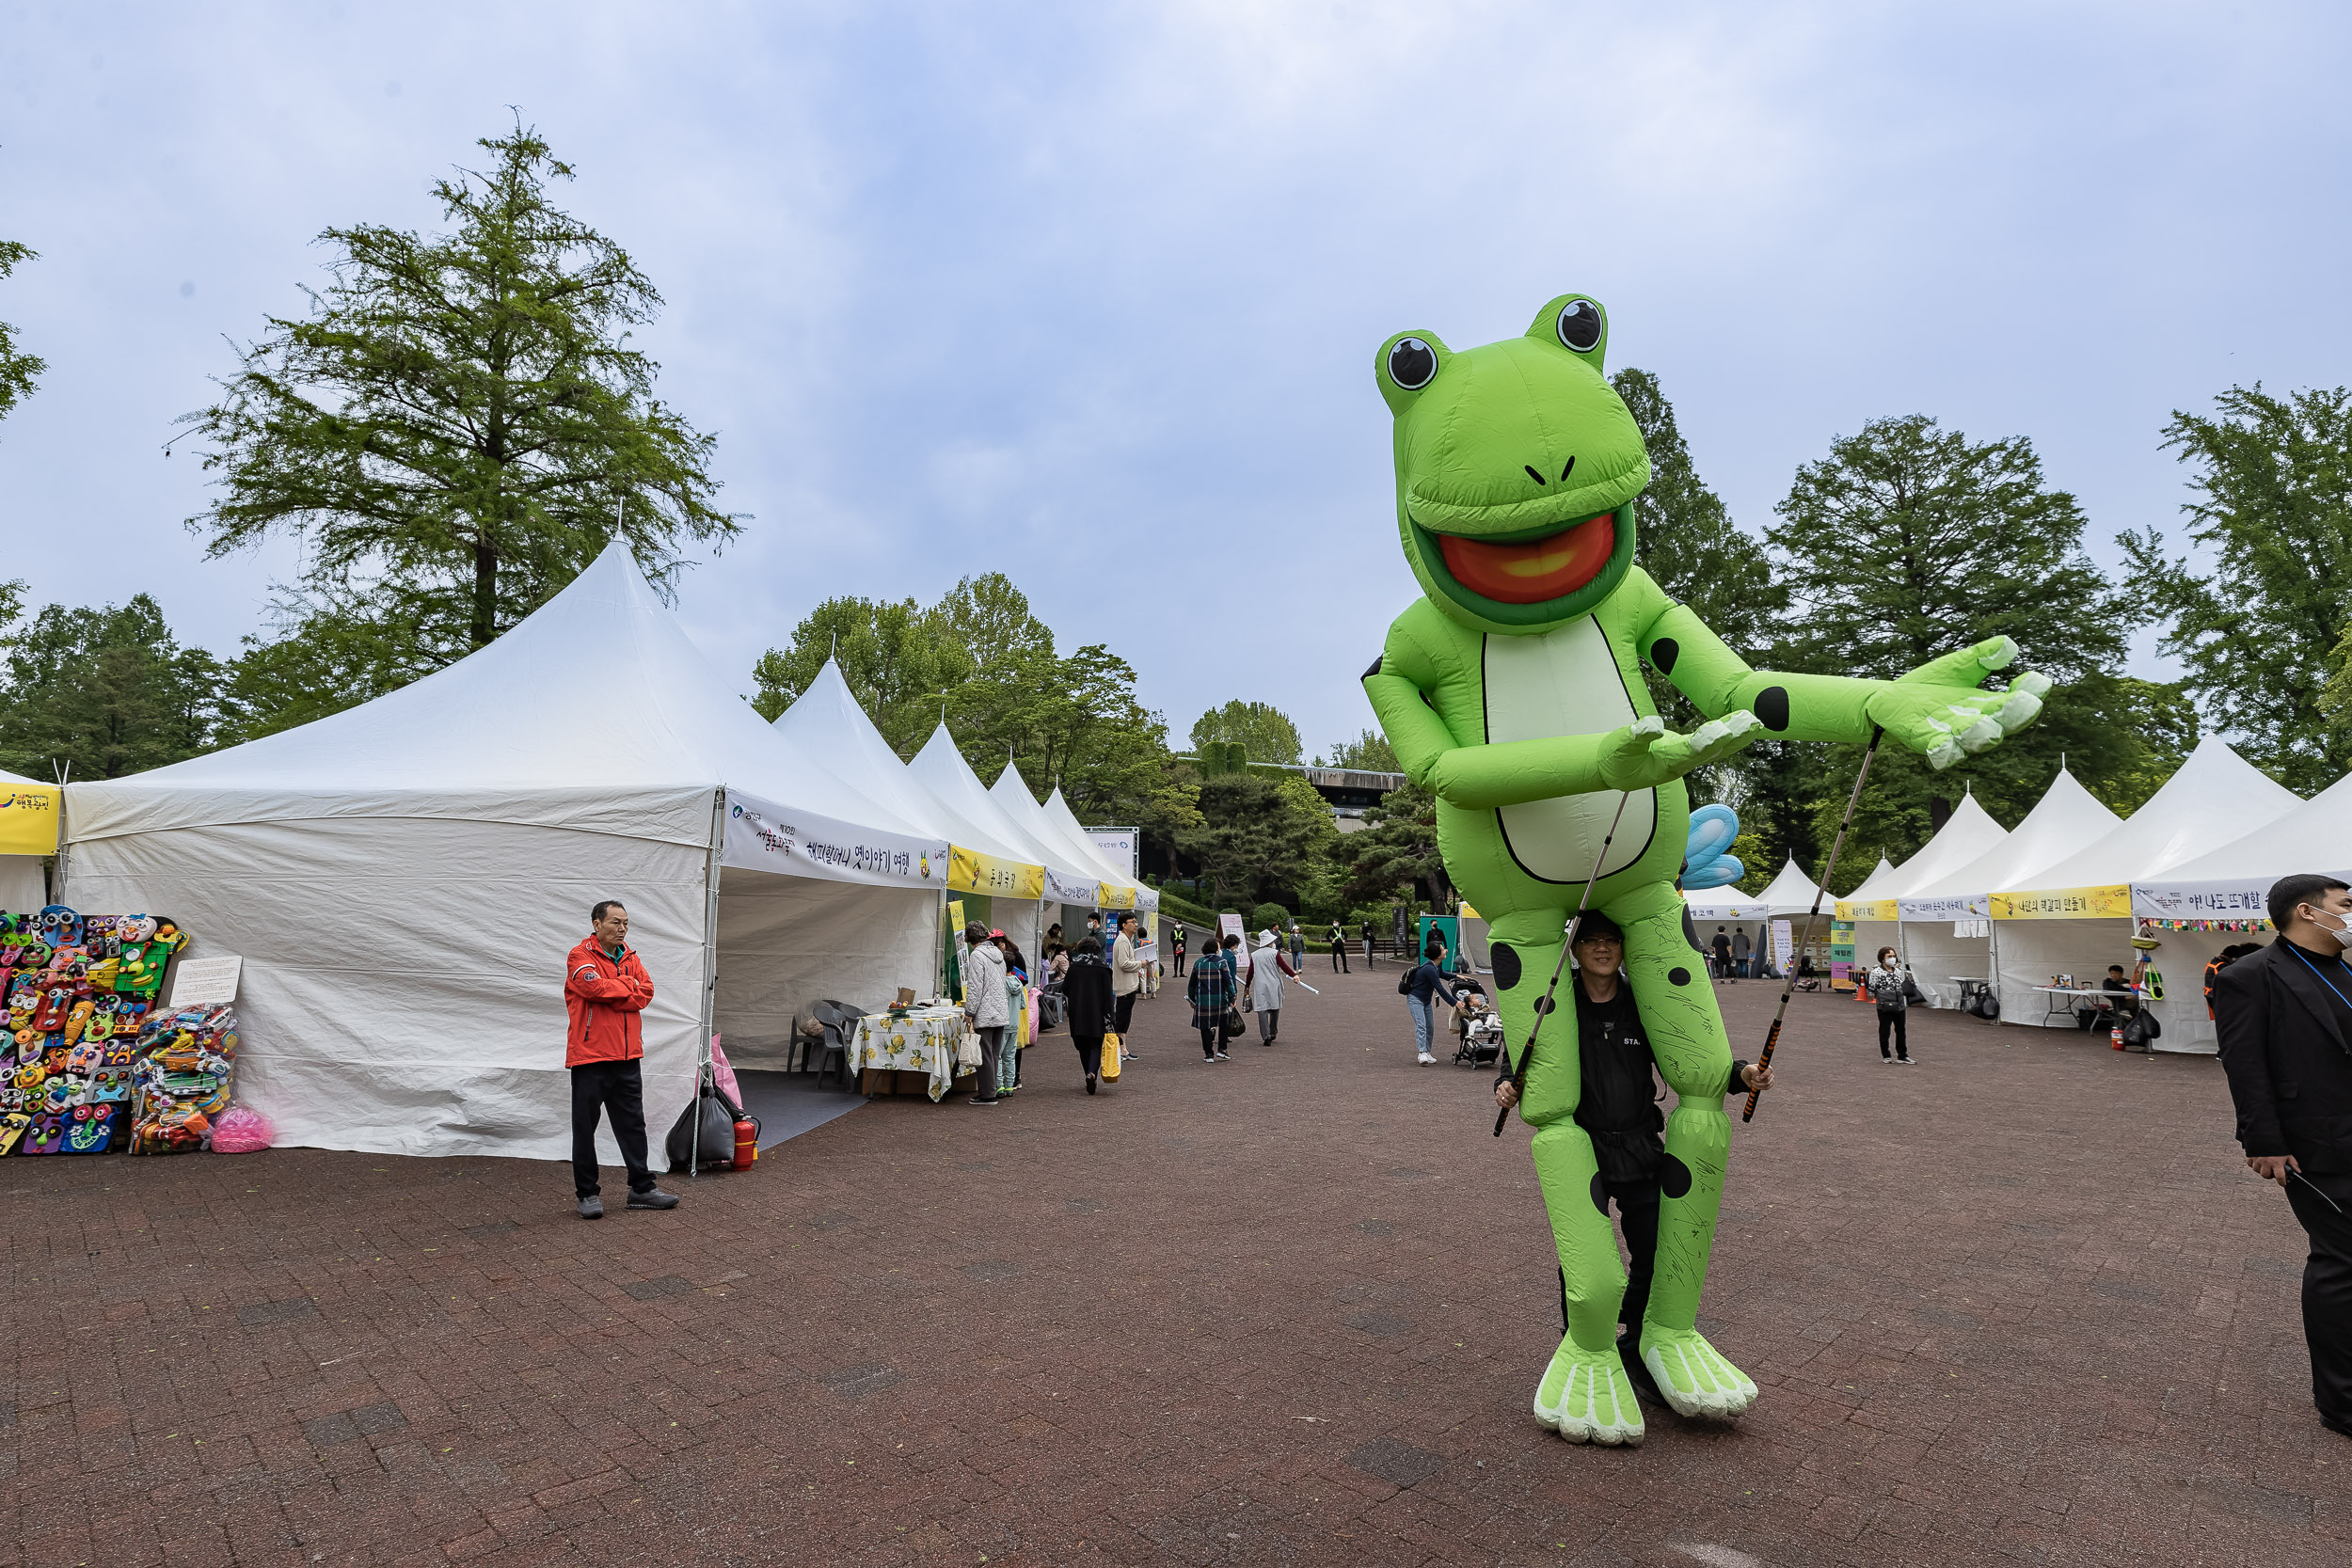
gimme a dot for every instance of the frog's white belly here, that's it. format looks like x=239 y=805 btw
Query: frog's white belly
x=1564 y=682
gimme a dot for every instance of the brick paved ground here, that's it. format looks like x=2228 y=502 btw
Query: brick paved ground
x=2020 y=1303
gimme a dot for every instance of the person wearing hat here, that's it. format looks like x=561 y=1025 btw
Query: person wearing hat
x=1617 y=1108
x=985 y=1004
x=1266 y=970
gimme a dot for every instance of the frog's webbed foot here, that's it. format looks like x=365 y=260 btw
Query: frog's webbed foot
x=1586 y=1398
x=1691 y=1375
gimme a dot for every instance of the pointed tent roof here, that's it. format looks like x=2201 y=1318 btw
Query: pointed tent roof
x=1874 y=883
x=1791 y=891
x=527 y=714
x=939 y=767
x=1011 y=792
x=1056 y=809
x=2065 y=820
x=827 y=722
x=2214 y=797
x=1967 y=834
x=2232 y=882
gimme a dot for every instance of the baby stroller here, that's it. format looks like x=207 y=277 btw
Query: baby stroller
x=1481 y=1040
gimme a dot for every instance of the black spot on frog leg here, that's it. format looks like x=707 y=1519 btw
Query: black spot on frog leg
x=1771 y=705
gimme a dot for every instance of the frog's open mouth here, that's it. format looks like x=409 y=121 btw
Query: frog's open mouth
x=1530 y=571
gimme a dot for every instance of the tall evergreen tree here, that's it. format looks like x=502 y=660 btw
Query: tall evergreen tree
x=103 y=692
x=2272 y=502
x=452 y=432
x=1908 y=541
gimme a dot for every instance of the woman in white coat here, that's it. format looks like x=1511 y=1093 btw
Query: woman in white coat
x=1266 y=968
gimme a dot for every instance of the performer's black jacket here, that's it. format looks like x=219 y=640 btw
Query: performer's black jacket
x=1620 y=1105
x=2284 y=1018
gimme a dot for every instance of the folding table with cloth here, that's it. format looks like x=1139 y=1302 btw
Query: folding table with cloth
x=923 y=1040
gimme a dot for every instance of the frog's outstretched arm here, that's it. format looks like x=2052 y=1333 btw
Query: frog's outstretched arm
x=1483 y=775
x=1936 y=710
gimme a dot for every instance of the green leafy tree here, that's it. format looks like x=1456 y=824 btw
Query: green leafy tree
x=102 y=693
x=1261 y=836
x=454 y=431
x=1908 y=541
x=983 y=659
x=19 y=370
x=1261 y=728
x=1395 y=849
x=1685 y=538
x=1368 y=753
x=2272 y=507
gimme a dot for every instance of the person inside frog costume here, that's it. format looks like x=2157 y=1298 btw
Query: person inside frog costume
x=1513 y=692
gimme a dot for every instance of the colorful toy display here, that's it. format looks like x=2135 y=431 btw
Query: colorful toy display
x=1513 y=690
x=81 y=1040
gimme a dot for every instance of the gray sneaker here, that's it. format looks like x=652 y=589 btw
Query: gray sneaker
x=653 y=1198
x=591 y=1207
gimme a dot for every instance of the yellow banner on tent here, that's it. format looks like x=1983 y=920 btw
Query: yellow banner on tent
x=1882 y=909
x=1118 y=897
x=969 y=871
x=28 y=819
x=2071 y=903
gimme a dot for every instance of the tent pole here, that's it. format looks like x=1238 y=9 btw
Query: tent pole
x=711 y=971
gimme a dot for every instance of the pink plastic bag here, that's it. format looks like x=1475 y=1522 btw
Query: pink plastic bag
x=241 y=1131
x=723 y=1073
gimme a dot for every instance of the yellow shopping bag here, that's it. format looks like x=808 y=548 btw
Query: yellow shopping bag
x=1110 y=1058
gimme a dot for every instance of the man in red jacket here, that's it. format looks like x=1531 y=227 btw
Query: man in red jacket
x=607 y=989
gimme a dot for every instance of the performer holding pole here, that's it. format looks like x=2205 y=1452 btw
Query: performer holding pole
x=1820 y=891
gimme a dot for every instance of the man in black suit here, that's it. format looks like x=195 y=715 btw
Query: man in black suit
x=2284 y=1018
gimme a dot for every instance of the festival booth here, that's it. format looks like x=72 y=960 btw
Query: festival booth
x=404 y=879
x=1017 y=912
x=827 y=721
x=29 y=811
x=2221 y=898
x=1947 y=930
x=1068 y=902
x=1877 y=921
x=2073 y=916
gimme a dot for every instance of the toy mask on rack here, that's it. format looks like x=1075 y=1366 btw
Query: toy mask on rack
x=60 y=927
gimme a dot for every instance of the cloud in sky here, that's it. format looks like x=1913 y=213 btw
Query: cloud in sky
x=1089 y=294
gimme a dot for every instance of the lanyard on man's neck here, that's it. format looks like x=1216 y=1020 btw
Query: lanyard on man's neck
x=2322 y=974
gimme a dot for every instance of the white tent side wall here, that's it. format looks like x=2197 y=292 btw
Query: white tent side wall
x=23 y=887
x=786 y=943
x=402 y=989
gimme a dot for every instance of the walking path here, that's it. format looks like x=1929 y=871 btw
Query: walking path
x=2018 y=1304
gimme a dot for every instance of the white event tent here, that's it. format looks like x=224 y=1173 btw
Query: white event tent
x=1056 y=810
x=404 y=879
x=1019 y=911
x=1968 y=832
x=2231 y=885
x=23 y=887
x=2073 y=916
x=1936 y=914
x=1111 y=890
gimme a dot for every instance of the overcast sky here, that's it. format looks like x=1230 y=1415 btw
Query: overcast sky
x=1090 y=293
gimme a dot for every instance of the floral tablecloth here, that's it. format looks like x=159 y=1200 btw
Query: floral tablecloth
x=921 y=1040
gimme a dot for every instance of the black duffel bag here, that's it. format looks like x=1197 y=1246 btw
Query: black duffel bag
x=719 y=1116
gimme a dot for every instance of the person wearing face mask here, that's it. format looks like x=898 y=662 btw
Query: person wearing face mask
x=2284 y=1020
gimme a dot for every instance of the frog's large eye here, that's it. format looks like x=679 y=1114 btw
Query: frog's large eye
x=1579 y=325
x=1411 y=363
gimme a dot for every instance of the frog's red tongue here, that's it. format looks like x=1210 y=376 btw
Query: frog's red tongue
x=1535 y=570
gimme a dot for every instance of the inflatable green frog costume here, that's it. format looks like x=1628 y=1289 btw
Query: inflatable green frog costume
x=1512 y=691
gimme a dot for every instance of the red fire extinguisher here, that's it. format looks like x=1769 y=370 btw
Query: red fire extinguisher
x=746 y=1142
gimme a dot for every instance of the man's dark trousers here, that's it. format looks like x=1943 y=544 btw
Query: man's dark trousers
x=617 y=1088
x=1123 y=1012
x=2327 y=1290
x=1339 y=955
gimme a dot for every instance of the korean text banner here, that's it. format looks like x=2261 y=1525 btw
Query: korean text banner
x=1846 y=909
x=765 y=837
x=28 y=819
x=1070 y=890
x=972 y=872
x=1967 y=906
x=2074 y=903
x=2231 y=900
